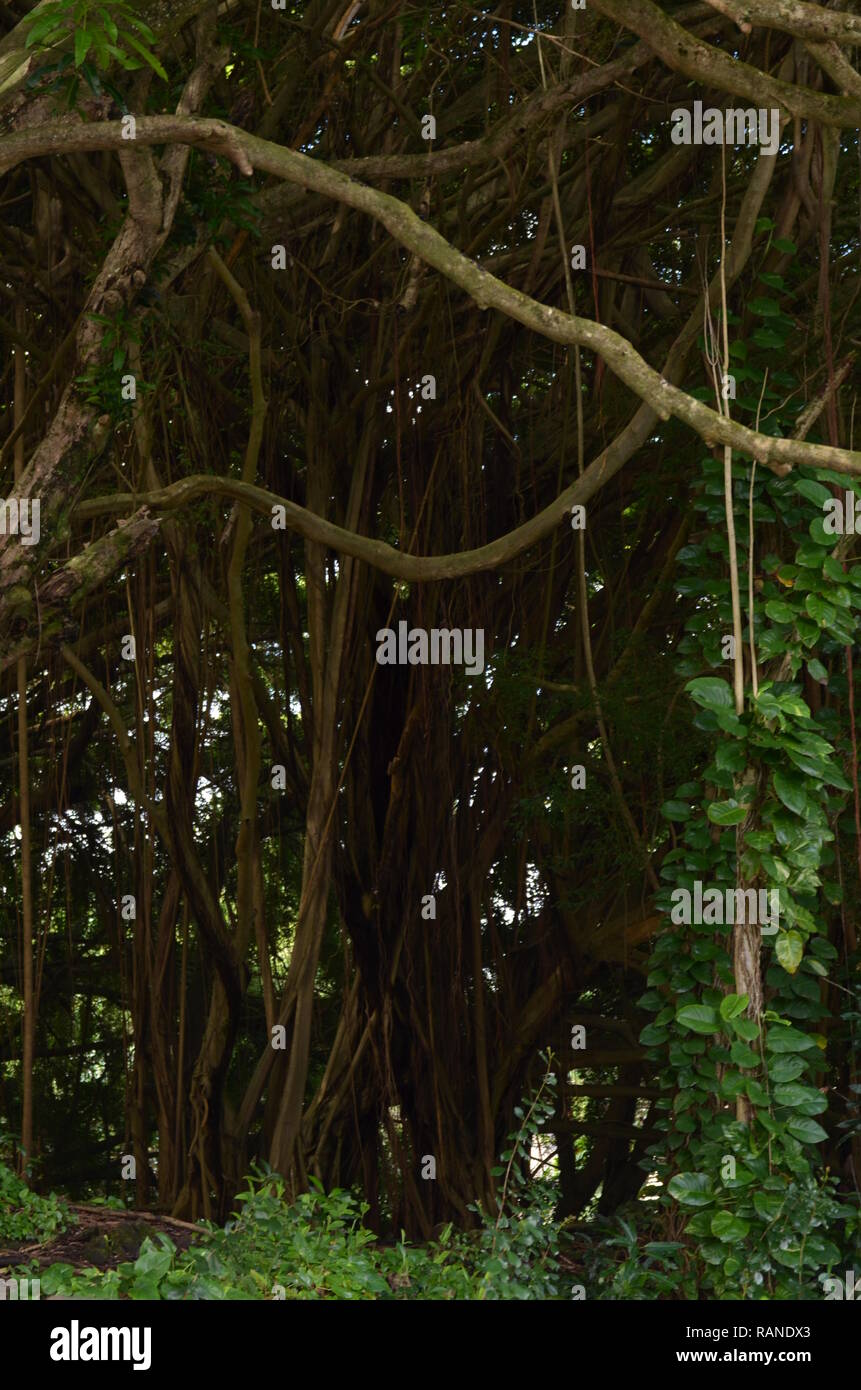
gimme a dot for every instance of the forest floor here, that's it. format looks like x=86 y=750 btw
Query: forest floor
x=100 y=1237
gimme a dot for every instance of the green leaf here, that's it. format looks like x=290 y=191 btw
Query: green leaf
x=813 y=491
x=807 y=631
x=765 y=308
x=789 y=948
x=690 y=789
x=782 y=243
x=780 y=612
x=726 y=1226
x=711 y=692
x=832 y=569
x=760 y=840
x=774 y=337
x=794 y=705
x=101 y=47
x=141 y=27
x=746 y=1029
x=146 y=55
x=41 y=26
x=782 y=1039
x=816 y=965
x=691 y=1189
x=821 y=612
x=810 y=556
x=806 y=738
x=766 y=703
x=776 y=869
x=110 y=27
x=732 y=1084
x=794 y=1095
x=791 y=791
x=743 y=1056
x=652 y=1036
x=683 y=1100
x=757 y=1093
x=817 y=670
x=676 y=810
x=769 y=1123
x=733 y=1004
x=52 y=34
x=726 y=812
x=83 y=43
x=768 y=1205
x=817 y=533
x=729 y=722
x=651 y=1000
x=808 y=1131
x=699 y=1018
x=730 y=756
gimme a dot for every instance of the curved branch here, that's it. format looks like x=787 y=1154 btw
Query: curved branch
x=488 y=292
x=794 y=17
x=683 y=53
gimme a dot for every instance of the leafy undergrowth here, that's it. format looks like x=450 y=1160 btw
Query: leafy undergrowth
x=24 y=1215
x=318 y=1248
x=810 y=1237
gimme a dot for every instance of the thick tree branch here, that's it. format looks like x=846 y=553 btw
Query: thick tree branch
x=704 y=63
x=488 y=292
x=792 y=17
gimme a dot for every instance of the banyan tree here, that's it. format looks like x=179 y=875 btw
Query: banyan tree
x=322 y=319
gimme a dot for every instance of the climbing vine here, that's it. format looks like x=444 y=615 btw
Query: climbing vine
x=745 y=1077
